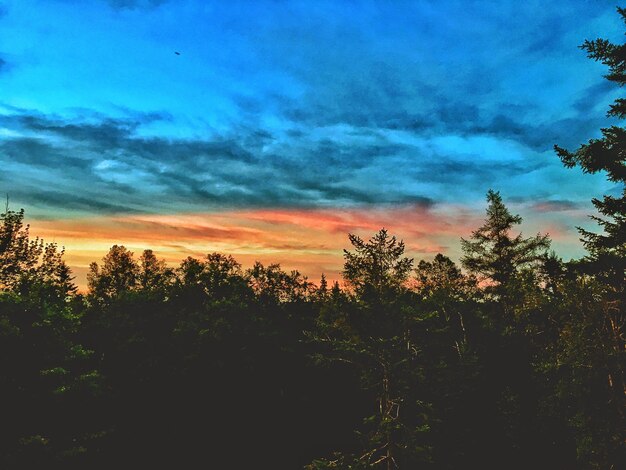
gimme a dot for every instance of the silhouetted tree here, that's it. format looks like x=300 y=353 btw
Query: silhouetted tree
x=606 y=260
x=119 y=273
x=377 y=267
x=607 y=155
x=273 y=284
x=493 y=253
x=153 y=272
x=45 y=375
x=445 y=288
x=19 y=254
x=376 y=334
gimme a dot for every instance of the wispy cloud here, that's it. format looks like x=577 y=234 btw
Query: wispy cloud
x=132 y=4
x=296 y=116
x=115 y=165
x=310 y=240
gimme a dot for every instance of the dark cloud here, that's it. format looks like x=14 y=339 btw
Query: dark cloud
x=440 y=112
x=557 y=205
x=41 y=154
x=106 y=165
x=3 y=62
x=443 y=116
x=473 y=174
x=73 y=201
x=135 y=4
x=599 y=93
x=103 y=164
x=458 y=81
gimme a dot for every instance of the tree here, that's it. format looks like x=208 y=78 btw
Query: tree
x=606 y=261
x=272 y=284
x=31 y=267
x=44 y=370
x=442 y=274
x=19 y=254
x=217 y=277
x=444 y=288
x=376 y=267
x=493 y=253
x=119 y=273
x=376 y=333
x=153 y=272
x=607 y=155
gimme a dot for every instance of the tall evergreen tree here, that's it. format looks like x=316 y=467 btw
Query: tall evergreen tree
x=606 y=260
x=607 y=155
x=493 y=253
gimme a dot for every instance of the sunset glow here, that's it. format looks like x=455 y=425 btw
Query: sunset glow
x=271 y=133
x=310 y=241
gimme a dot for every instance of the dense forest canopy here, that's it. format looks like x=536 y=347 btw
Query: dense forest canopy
x=515 y=361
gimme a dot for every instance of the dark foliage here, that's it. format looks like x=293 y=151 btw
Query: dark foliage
x=213 y=366
x=517 y=364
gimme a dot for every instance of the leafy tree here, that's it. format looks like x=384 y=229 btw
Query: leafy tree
x=445 y=289
x=19 y=254
x=442 y=275
x=45 y=374
x=275 y=285
x=119 y=273
x=153 y=272
x=581 y=363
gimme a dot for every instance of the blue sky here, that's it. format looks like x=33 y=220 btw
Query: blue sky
x=298 y=105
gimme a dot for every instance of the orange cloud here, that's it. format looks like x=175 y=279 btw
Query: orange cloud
x=310 y=240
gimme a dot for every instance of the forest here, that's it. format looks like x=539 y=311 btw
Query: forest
x=512 y=358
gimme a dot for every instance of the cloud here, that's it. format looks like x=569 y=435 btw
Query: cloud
x=310 y=240
x=100 y=164
x=135 y=4
x=412 y=74
x=105 y=159
x=313 y=107
x=556 y=206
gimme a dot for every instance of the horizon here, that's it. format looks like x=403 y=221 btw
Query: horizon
x=271 y=130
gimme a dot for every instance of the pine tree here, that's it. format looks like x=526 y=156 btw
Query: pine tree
x=377 y=333
x=376 y=268
x=606 y=260
x=496 y=255
x=607 y=251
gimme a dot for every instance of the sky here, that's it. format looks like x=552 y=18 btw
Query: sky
x=270 y=130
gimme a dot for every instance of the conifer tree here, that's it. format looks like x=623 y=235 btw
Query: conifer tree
x=606 y=260
x=607 y=251
x=493 y=253
x=376 y=332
